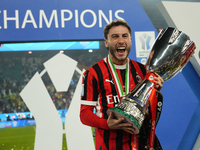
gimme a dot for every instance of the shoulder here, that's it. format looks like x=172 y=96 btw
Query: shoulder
x=138 y=67
x=95 y=68
x=138 y=63
x=96 y=65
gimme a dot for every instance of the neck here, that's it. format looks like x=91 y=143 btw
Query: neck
x=118 y=62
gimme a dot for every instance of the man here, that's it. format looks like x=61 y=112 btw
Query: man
x=103 y=86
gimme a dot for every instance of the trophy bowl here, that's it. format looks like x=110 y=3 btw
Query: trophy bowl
x=168 y=55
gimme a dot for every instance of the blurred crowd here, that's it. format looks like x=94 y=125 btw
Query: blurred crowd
x=16 y=71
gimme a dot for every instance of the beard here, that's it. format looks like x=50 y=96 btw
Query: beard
x=112 y=51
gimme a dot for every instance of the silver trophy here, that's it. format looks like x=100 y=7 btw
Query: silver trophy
x=170 y=52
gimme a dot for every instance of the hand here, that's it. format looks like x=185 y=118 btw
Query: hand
x=159 y=81
x=115 y=124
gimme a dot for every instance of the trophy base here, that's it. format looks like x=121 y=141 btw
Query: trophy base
x=118 y=113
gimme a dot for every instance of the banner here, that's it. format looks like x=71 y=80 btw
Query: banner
x=22 y=20
x=17 y=123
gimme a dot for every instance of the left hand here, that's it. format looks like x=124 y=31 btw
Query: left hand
x=116 y=124
x=159 y=81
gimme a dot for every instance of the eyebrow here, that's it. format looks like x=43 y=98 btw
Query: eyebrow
x=118 y=34
x=114 y=35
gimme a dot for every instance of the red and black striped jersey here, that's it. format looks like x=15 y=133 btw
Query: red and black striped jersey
x=99 y=89
x=99 y=92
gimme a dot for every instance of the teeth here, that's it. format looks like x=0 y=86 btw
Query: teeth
x=121 y=48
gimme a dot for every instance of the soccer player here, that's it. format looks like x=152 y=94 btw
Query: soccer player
x=101 y=90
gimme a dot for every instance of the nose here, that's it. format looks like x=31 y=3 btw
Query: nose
x=120 y=40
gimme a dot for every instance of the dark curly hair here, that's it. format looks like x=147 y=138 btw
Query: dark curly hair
x=115 y=23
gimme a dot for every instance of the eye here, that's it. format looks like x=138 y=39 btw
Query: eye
x=115 y=36
x=125 y=35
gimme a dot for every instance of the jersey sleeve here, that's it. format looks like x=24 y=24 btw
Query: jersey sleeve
x=89 y=93
x=89 y=97
x=89 y=118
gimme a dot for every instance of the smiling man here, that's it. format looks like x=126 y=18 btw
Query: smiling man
x=104 y=85
x=118 y=41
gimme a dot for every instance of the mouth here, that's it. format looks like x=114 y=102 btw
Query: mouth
x=121 y=49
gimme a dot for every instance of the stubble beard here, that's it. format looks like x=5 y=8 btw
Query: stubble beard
x=112 y=52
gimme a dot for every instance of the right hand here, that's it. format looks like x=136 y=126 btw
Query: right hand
x=115 y=124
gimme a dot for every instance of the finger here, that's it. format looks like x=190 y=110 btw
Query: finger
x=112 y=116
x=129 y=130
x=158 y=86
x=113 y=122
x=126 y=125
x=159 y=81
x=120 y=121
x=159 y=78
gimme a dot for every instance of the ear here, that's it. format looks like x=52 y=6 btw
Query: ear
x=106 y=43
x=131 y=40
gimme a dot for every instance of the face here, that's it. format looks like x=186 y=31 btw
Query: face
x=119 y=44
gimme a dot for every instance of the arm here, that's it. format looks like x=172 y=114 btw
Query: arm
x=86 y=113
x=89 y=118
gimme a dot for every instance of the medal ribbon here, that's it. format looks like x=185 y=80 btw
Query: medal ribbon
x=153 y=102
x=134 y=142
x=118 y=86
x=153 y=98
x=116 y=78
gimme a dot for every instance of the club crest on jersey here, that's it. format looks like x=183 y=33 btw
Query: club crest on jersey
x=138 y=78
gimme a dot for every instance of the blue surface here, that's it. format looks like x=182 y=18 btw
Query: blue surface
x=33 y=46
x=193 y=129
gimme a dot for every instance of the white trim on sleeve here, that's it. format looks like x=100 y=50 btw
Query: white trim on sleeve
x=90 y=103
